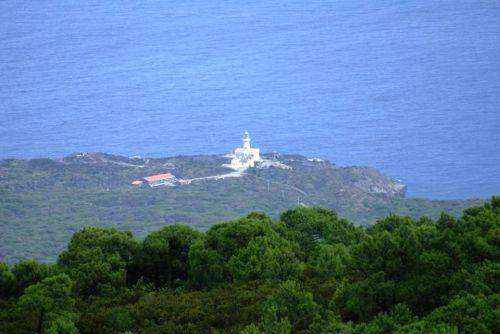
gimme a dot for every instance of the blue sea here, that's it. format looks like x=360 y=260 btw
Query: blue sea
x=411 y=88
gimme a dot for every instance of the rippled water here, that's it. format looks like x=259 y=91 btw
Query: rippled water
x=411 y=88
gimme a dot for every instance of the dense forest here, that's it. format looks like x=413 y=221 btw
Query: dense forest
x=308 y=272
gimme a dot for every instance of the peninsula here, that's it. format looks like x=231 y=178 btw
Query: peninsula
x=44 y=201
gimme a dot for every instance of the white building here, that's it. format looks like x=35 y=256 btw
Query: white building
x=246 y=156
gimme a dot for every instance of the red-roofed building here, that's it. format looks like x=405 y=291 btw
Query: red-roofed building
x=166 y=179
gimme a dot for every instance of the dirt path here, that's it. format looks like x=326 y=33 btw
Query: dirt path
x=238 y=173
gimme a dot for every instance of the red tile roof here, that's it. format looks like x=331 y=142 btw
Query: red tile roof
x=158 y=177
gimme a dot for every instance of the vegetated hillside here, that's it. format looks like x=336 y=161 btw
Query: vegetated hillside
x=309 y=272
x=43 y=201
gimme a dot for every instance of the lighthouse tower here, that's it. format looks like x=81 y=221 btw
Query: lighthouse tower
x=246 y=140
x=246 y=156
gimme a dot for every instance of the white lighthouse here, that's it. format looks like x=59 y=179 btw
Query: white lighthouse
x=246 y=156
x=246 y=140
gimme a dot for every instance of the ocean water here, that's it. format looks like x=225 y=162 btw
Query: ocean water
x=411 y=88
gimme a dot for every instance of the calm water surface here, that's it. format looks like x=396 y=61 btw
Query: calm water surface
x=411 y=88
